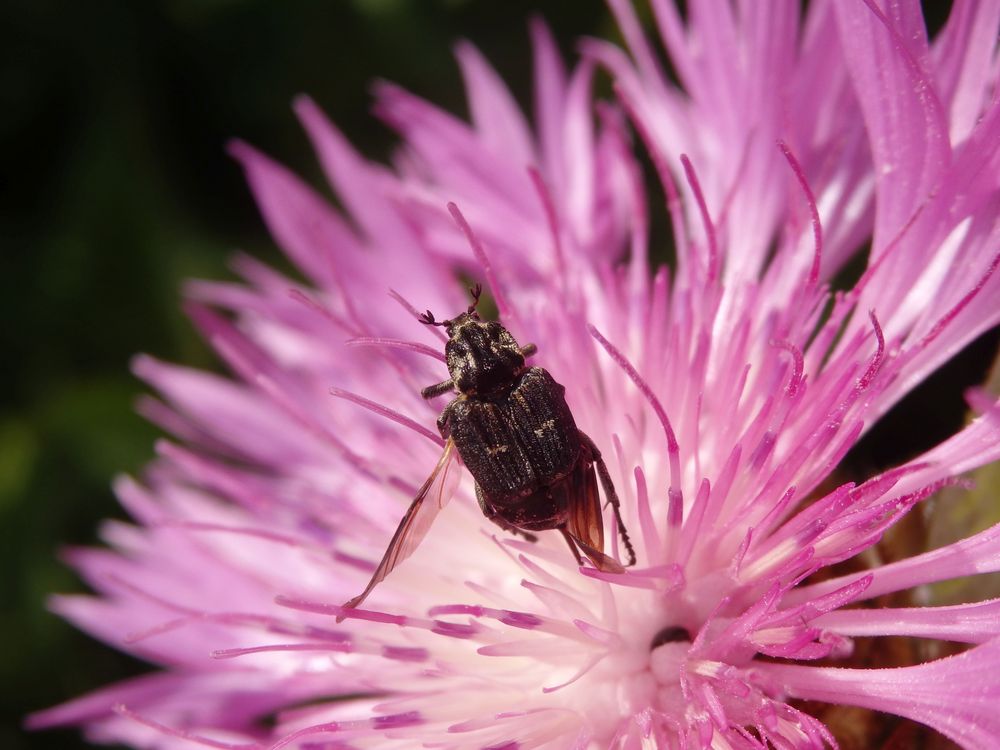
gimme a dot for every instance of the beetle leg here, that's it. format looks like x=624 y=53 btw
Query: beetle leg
x=491 y=514
x=610 y=494
x=444 y=420
x=528 y=350
x=511 y=529
x=437 y=389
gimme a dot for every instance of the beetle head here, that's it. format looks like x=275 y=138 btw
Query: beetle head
x=483 y=357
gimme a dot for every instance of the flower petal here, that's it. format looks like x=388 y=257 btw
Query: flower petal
x=957 y=695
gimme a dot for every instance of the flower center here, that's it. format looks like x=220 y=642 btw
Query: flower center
x=669 y=634
x=669 y=649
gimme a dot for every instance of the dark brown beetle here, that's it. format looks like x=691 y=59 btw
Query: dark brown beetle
x=534 y=469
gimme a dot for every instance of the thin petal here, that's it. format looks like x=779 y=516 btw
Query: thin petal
x=968 y=623
x=956 y=696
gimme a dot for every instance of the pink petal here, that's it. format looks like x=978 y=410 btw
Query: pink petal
x=956 y=696
x=967 y=623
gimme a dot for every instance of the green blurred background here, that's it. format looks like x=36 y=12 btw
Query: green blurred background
x=115 y=187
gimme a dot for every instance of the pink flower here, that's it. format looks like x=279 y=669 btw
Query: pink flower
x=722 y=394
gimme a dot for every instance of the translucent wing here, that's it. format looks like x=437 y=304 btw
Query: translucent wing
x=432 y=497
x=586 y=523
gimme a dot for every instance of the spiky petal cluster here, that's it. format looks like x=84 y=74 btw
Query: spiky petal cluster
x=723 y=395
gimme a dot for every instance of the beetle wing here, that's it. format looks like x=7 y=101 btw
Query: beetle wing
x=586 y=523
x=432 y=497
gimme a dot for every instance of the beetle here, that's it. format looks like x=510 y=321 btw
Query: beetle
x=510 y=424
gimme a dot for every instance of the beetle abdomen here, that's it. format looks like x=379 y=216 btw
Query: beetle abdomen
x=515 y=444
x=543 y=424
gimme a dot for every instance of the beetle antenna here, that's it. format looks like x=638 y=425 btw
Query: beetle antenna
x=476 y=292
x=427 y=318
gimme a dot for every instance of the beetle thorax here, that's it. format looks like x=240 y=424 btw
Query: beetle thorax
x=483 y=358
